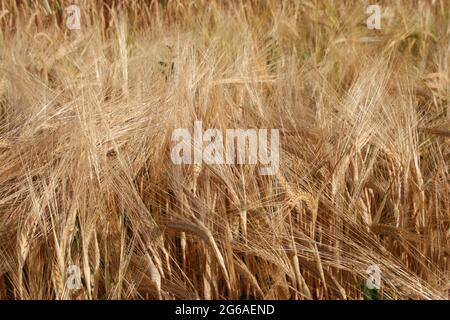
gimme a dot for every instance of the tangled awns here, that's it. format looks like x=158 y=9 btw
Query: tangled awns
x=86 y=179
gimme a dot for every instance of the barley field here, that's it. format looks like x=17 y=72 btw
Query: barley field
x=87 y=185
